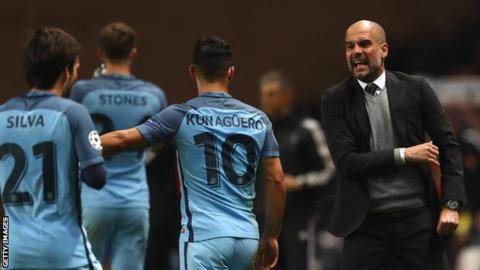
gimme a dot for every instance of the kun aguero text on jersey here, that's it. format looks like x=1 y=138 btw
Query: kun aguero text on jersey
x=224 y=121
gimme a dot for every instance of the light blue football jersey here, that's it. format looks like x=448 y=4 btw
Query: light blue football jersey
x=44 y=141
x=119 y=102
x=220 y=141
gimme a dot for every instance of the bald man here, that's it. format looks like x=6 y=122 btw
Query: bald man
x=376 y=121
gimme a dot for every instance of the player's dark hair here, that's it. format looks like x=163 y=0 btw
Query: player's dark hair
x=46 y=53
x=212 y=56
x=117 y=41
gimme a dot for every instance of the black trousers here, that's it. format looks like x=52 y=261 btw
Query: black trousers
x=390 y=241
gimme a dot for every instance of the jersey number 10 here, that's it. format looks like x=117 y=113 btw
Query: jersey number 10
x=208 y=141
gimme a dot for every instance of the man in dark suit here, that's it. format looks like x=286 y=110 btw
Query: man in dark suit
x=387 y=208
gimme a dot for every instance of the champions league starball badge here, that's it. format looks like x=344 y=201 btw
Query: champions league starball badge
x=94 y=140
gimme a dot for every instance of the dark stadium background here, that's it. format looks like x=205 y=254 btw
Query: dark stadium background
x=305 y=38
x=437 y=38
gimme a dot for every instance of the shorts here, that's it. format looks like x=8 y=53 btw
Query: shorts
x=218 y=253
x=118 y=236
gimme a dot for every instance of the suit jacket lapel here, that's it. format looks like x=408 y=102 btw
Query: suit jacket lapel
x=395 y=100
x=359 y=110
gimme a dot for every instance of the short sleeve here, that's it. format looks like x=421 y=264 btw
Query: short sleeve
x=163 y=125
x=86 y=139
x=270 y=146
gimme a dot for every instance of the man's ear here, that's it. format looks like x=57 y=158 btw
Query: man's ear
x=191 y=71
x=384 y=48
x=133 y=55
x=230 y=73
x=65 y=76
x=62 y=81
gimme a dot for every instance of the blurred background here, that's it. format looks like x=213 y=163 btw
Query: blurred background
x=305 y=39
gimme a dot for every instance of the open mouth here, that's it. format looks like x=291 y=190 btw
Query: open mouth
x=358 y=63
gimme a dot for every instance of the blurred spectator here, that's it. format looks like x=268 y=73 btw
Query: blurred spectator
x=308 y=175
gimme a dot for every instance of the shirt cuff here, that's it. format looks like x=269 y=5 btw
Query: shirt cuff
x=399 y=154
x=301 y=179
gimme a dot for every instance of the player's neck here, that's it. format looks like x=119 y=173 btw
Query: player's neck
x=204 y=87
x=123 y=69
x=56 y=90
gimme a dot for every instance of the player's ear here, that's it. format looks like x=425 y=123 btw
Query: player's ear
x=62 y=81
x=65 y=76
x=191 y=71
x=133 y=55
x=230 y=73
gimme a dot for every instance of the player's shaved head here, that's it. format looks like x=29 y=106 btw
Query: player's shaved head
x=366 y=49
x=375 y=29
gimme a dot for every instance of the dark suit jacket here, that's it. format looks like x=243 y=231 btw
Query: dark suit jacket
x=415 y=111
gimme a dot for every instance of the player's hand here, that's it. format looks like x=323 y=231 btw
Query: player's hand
x=425 y=152
x=267 y=254
x=448 y=221
x=291 y=183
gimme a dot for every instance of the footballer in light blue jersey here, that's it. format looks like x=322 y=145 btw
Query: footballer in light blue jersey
x=45 y=141
x=220 y=143
x=117 y=217
x=48 y=143
x=119 y=102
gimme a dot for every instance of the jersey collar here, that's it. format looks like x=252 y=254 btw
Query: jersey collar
x=216 y=94
x=117 y=76
x=39 y=93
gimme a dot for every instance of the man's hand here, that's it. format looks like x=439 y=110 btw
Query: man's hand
x=291 y=183
x=448 y=221
x=425 y=152
x=267 y=254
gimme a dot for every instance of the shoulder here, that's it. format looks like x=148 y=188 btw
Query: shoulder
x=242 y=106
x=340 y=88
x=252 y=111
x=11 y=104
x=181 y=108
x=404 y=78
x=168 y=120
x=73 y=111
x=416 y=86
x=81 y=88
x=173 y=113
x=246 y=107
x=340 y=91
x=147 y=86
x=82 y=84
x=150 y=88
